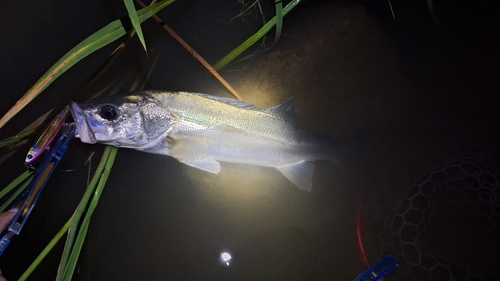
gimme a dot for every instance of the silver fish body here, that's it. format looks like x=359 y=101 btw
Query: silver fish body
x=201 y=130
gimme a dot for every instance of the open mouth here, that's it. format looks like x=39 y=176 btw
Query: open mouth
x=85 y=133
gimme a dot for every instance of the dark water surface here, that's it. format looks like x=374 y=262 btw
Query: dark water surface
x=415 y=104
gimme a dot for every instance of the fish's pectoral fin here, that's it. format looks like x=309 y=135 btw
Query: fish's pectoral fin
x=193 y=152
x=188 y=148
x=299 y=173
x=206 y=164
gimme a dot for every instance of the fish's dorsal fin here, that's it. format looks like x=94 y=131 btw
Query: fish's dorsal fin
x=299 y=173
x=230 y=101
x=285 y=110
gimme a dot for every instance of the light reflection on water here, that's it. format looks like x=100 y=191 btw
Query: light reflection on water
x=226 y=258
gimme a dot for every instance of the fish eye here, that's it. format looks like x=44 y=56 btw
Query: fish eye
x=108 y=112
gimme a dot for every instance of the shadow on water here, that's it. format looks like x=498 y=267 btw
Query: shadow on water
x=416 y=105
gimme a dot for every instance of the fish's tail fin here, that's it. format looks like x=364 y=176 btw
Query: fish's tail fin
x=346 y=153
x=299 y=173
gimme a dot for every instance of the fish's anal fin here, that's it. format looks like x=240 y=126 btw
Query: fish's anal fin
x=299 y=173
x=285 y=110
x=193 y=152
x=206 y=164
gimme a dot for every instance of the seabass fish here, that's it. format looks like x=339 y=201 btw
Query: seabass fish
x=200 y=130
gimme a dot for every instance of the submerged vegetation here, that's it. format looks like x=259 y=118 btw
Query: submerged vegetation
x=76 y=227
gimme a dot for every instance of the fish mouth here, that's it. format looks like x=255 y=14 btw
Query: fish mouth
x=83 y=128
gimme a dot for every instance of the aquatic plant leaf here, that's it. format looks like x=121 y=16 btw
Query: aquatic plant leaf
x=45 y=251
x=254 y=38
x=96 y=187
x=132 y=14
x=106 y=162
x=17 y=138
x=24 y=177
x=430 y=6
x=99 y=39
x=193 y=53
x=94 y=42
x=279 y=20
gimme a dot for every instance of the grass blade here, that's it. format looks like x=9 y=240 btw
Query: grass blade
x=104 y=36
x=430 y=6
x=16 y=138
x=26 y=177
x=70 y=264
x=75 y=253
x=15 y=183
x=45 y=251
x=279 y=20
x=75 y=219
x=254 y=38
x=132 y=14
x=94 y=42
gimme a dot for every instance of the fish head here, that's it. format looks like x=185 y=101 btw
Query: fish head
x=122 y=121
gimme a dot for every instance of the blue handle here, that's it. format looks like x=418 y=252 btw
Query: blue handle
x=378 y=270
x=30 y=196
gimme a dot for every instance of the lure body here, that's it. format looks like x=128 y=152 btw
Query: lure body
x=46 y=138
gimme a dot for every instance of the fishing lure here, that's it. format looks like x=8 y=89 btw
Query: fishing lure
x=25 y=204
x=46 y=138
